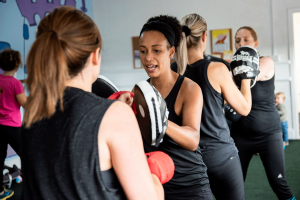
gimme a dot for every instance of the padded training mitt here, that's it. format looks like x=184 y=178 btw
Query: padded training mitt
x=103 y=87
x=162 y=165
x=231 y=114
x=244 y=65
x=152 y=113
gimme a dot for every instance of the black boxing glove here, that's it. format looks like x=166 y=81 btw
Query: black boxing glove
x=244 y=65
x=231 y=114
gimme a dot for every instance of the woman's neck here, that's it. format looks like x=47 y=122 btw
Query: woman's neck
x=165 y=82
x=81 y=82
x=195 y=54
x=9 y=73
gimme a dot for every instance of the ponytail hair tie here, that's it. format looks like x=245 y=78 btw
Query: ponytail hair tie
x=53 y=32
x=186 y=30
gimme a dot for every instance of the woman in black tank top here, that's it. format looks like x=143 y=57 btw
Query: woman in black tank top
x=158 y=40
x=219 y=152
x=260 y=131
x=71 y=148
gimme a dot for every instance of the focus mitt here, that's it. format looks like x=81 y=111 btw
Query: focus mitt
x=152 y=113
x=244 y=65
x=103 y=87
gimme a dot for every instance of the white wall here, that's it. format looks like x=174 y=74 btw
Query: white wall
x=283 y=84
x=296 y=27
x=281 y=26
x=119 y=20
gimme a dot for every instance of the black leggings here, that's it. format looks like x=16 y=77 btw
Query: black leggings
x=271 y=153
x=12 y=136
x=226 y=180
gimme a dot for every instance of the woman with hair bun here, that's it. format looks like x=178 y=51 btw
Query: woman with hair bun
x=260 y=131
x=71 y=148
x=219 y=151
x=12 y=96
x=159 y=39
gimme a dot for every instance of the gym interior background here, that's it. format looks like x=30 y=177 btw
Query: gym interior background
x=277 y=23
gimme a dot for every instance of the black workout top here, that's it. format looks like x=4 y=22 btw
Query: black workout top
x=60 y=155
x=215 y=142
x=263 y=117
x=190 y=176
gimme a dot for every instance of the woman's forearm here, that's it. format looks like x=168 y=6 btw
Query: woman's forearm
x=185 y=136
x=246 y=91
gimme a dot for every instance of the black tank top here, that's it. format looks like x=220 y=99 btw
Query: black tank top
x=215 y=142
x=190 y=176
x=264 y=117
x=60 y=155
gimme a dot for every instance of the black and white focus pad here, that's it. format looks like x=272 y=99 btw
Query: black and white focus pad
x=103 y=87
x=152 y=113
x=245 y=64
x=230 y=114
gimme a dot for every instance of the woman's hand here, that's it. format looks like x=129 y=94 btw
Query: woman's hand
x=126 y=98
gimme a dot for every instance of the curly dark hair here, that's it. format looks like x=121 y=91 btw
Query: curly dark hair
x=10 y=59
x=173 y=22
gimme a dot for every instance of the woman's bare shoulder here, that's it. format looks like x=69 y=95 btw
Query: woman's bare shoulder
x=189 y=87
x=266 y=62
x=266 y=68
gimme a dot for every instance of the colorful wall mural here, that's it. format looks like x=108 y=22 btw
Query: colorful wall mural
x=19 y=20
x=18 y=23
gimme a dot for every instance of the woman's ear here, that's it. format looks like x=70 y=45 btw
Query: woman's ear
x=172 y=52
x=96 y=57
x=255 y=44
x=204 y=36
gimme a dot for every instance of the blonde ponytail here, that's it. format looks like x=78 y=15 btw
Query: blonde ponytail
x=197 y=26
x=181 y=55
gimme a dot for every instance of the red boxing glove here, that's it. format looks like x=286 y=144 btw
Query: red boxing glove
x=162 y=165
x=116 y=95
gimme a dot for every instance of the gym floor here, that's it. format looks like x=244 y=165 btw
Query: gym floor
x=256 y=186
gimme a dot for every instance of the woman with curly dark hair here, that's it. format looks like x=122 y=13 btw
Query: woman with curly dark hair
x=159 y=38
x=12 y=96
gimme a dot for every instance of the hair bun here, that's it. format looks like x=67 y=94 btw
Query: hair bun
x=186 y=30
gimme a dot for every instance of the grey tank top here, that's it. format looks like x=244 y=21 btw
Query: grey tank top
x=216 y=144
x=60 y=155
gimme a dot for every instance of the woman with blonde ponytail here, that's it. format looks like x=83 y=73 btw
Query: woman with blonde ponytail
x=71 y=148
x=219 y=152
